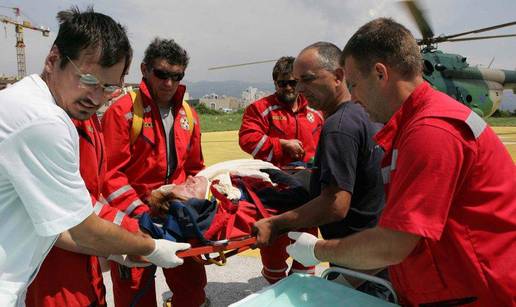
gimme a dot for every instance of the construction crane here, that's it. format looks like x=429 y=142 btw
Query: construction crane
x=19 y=26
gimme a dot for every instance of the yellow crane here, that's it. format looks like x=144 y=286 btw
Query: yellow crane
x=19 y=26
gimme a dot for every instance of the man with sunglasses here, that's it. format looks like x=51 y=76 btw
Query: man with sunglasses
x=43 y=199
x=166 y=150
x=281 y=129
x=346 y=183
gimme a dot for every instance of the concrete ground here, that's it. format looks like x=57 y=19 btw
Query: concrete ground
x=226 y=285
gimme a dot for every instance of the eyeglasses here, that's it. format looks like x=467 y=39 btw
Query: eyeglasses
x=165 y=75
x=91 y=81
x=284 y=83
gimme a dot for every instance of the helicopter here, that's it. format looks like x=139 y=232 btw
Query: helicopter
x=478 y=88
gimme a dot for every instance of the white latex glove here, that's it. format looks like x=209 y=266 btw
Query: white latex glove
x=303 y=249
x=125 y=261
x=164 y=254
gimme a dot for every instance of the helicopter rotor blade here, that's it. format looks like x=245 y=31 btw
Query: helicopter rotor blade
x=479 y=37
x=491 y=63
x=503 y=25
x=419 y=17
x=241 y=64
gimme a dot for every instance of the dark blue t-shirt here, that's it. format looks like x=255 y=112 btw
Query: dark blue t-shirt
x=348 y=158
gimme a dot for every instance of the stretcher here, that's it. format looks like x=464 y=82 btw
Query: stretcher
x=224 y=226
x=223 y=248
x=302 y=290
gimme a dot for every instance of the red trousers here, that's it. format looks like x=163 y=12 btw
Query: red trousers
x=274 y=259
x=186 y=281
x=67 y=279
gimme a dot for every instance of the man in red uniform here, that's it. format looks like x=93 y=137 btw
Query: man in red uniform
x=281 y=128
x=166 y=150
x=448 y=227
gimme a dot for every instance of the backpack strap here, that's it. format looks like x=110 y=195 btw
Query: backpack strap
x=189 y=116
x=137 y=125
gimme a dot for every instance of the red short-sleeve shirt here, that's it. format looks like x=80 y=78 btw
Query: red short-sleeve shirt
x=451 y=181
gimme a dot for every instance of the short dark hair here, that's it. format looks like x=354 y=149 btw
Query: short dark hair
x=284 y=66
x=80 y=31
x=329 y=54
x=167 y=49
x=384 y=40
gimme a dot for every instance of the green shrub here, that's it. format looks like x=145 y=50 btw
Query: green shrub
x=502 y=113
x=202 y=109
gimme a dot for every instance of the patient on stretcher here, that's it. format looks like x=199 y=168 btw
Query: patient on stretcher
x=222 y=202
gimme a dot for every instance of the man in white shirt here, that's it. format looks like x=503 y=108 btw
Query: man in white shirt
x=43 y=199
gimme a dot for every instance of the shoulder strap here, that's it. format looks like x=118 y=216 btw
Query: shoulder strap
x=137 y=125
x=189 y=116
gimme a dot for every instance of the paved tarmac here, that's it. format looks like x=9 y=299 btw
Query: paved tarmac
x=228 y=284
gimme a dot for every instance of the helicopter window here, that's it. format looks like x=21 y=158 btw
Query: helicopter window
x=469 y=98
x=428 y=68
x=440 y=67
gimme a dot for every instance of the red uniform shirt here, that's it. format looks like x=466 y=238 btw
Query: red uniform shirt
x=70 y=279
x=451 y=181
x=268 y=120
x=134 y=170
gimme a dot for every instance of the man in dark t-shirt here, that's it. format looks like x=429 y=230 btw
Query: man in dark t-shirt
x=347 y=158
x=346 y=185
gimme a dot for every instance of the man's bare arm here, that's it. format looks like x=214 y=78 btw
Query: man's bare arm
x=66 y=242
x=369 y=249
x=96 y=236
x=332 y=205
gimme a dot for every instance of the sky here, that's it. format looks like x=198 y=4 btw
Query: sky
x=222 y=32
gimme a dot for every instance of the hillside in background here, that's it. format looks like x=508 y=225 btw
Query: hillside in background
x=228 y=88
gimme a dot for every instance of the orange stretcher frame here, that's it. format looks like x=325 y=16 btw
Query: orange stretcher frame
x=225 y=249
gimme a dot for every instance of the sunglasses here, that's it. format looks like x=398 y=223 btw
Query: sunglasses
x=165 y=75
x=91 y=81
x=284 y=83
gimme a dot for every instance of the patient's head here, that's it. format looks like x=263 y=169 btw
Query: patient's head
x=193 y=187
